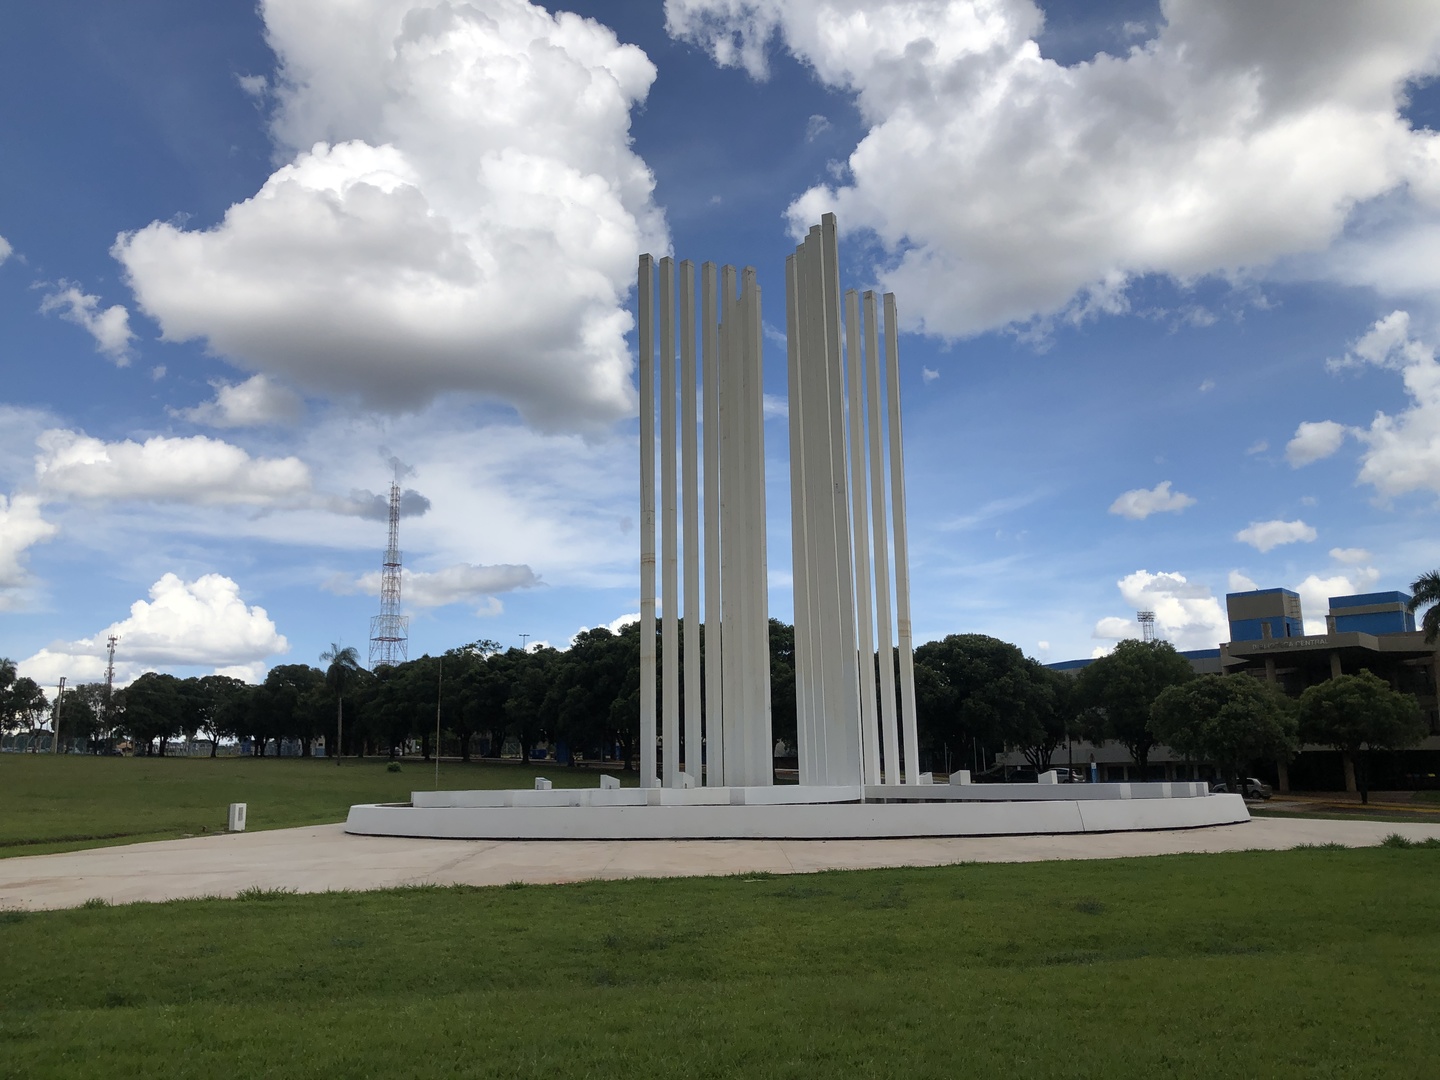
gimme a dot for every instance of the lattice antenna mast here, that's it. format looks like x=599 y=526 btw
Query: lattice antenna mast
x=390 y=630
x=110 y=643
x=1146 y=619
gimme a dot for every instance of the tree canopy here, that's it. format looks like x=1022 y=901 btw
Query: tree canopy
x=1228 y=719
x=971 y=686
x=1360 y=713
x=1115 y=693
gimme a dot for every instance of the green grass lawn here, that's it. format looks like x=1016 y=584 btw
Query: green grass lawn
x=1309 y=963
x=1374 y=812
x=50 y=803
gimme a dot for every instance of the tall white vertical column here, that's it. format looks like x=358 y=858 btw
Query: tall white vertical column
x=710 y=361
x=860 y=520
x=669 y=540
x=879 y=523
x=902 y=555
x=732 y=560
x=734 y=725
x=819 y=491
x=842 y=744
x=646 y=316
x=760 y=764
x=690 y=513
x=805 y=666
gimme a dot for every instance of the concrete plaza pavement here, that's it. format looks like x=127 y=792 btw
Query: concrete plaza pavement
x=321 y=858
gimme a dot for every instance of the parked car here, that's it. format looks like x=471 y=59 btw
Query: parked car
x=1249 y=786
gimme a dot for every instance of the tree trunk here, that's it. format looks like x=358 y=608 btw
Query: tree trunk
x=1365 y=778
x=339 y=727
x=215 y=745
x=425 y=746
x=1349 y=760
x=1283 y=769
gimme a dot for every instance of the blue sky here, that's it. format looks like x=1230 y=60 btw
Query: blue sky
x=1168 y=274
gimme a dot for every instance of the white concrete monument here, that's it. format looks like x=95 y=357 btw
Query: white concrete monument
x=730 y=731
x=708 y=774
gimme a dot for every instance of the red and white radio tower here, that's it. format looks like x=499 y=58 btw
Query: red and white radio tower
x=390 y=631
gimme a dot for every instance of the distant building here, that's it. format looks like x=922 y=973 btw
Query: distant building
x=1368 y=631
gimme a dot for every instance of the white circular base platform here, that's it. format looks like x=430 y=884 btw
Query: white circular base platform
x=792 y=813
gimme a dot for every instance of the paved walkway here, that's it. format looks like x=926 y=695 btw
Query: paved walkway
x=323 y=857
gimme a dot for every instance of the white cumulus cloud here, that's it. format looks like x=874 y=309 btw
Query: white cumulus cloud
x=1350 y=556
x=1114 y=628
x=21 y=527
x=1186 y=613
x=461 y=583
x=196 y=470
x=200 y=623
x=1141 y=503
x=259 y=401
x=1264 y=535
x=1313 y=441
x=1004 y=186
x=1238 y=582
x=461 y=210
x=5 y=250
x=1402 y=452
x=1315 y=592
x=110 y=327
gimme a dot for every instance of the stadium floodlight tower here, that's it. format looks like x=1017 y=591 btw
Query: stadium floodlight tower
x=390 y=630
x=1146 y=619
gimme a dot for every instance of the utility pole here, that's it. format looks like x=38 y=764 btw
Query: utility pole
x=55 y=722
x=110 y=643
x=523 y=639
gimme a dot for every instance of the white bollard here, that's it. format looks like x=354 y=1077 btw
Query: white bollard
x=541 y=784
x=1051 y=777
x=925 y=778
x=608 y=783
x=236 y=820
x=960 y=776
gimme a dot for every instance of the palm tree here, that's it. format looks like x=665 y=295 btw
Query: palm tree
x=343 y=663
x=1426 y=590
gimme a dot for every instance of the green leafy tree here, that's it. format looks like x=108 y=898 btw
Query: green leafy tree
x=214 y=699
x=286 y=701
x=533 y=705
x=25 y=705
x=154 y=710
x=1227 y=719
x=972 y=686
x=784 y=718
x=7 y=683
x=1040 y=719
x=1425 y=592
x=344 y=664
x=80 y=711
x=592 y=675
x=1115 y=693
x=458 y=715
x=1357 y=715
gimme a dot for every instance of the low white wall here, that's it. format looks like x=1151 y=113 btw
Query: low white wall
x=794 y=821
